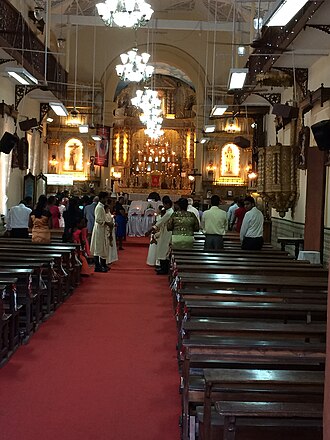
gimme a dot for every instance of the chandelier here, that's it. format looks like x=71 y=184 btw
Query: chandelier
x=134 y=67
x=150 y=105
x=125 y=13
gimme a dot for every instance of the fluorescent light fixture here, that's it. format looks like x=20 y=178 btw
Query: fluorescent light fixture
x=49 y=120
x=209 y=128
x=83 y=128
x=58 y=108
x=237 y=78
x=285 y=11
x=241 y=51
x=96 y=137
x=22 y=76
x=204 y=140
x=218 y=110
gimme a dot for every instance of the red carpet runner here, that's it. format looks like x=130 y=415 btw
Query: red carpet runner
x=103 y=367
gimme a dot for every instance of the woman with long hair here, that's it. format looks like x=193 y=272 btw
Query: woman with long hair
x=41 y=222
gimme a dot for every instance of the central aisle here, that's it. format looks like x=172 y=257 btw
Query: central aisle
x=103 y=367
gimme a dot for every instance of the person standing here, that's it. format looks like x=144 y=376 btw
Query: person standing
x=54 y=210
x=231 y=211
x=238 y=216
x=99 y=248
x=121 y=220
x=251 y=233
x=183 y=224
x=164 y=238
x=89 y=213
x=192 y=209
x=18 y=220
x=214 y=224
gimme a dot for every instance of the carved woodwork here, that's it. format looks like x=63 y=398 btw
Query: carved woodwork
x=321 y=95
x=277 y=177
x=275 y=40
x=320 y=27
x=8 y=110
x=300 y=75
x=15 y=33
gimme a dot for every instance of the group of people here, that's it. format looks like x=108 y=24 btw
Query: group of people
x=176 y=224
x=96 y=224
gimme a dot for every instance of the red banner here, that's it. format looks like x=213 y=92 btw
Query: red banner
x=155 y=181
x=102 y=147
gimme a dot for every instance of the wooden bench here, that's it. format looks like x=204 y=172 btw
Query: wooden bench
x=297 y=242
x=261 y=282
x=233 y=410
x=290 y=382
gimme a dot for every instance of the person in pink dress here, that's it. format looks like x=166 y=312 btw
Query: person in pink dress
x=55 y=212
x=78 y=237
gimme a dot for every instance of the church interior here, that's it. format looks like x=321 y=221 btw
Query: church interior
x=195 y=98
x=212 y=138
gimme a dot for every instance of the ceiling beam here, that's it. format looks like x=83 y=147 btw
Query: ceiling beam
x=182 y=25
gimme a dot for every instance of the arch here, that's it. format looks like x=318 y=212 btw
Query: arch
x=170 y=55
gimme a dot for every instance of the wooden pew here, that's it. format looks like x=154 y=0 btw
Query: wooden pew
x=9 y=322
x=233 y=411
x=29 y=300
x=261 y=282
x=292 y=383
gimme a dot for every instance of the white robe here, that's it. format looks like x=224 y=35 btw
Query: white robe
x=164 y=239
x=99 y=242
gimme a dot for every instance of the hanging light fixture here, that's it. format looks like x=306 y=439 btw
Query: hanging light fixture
x=134 y=67
x=125 y=13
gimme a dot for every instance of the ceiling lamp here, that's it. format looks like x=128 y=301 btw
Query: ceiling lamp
x=218 y=110
x=284 y=12
x=209 y=128
x=58 y=108
x=134 y=67
x=83 y=128
x=22 y=76
x=125 y=13
x=237 y=78
x=204 y=140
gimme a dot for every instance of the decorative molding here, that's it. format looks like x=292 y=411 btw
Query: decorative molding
x=321 y=95
x=275 y=40
x=301 y=76
x=15 y=32
x=9 y=110
x=43 y=110
x=272 y=98
x=320 y=27
x=5 y=60
x=21 y=91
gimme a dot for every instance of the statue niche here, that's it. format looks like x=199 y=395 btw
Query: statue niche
x=230 y=160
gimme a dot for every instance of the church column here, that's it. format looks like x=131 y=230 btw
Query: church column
x=198 y=152
x=315 y=199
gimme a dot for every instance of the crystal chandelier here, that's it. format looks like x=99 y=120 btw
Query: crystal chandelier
x=134 y=67
x=150 y=104
x=125 y=13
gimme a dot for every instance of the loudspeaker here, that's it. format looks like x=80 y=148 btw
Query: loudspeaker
x=321 y=132
x=8 y=142
x=28 y=124
x=241 y=141
x=286 y=111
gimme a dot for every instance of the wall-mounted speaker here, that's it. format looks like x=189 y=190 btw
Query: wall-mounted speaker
x=28 y=124
x=321 y=132
x=8 y=142
x=242 y=142
x=285 y=111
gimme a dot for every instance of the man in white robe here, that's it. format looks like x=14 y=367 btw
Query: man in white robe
x=99 y=242
x=164 y=239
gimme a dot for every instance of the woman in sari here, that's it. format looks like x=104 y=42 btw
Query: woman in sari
x=183 y=224
x=41 y=222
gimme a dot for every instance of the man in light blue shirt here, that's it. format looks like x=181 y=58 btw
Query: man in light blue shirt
x=89 y=212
